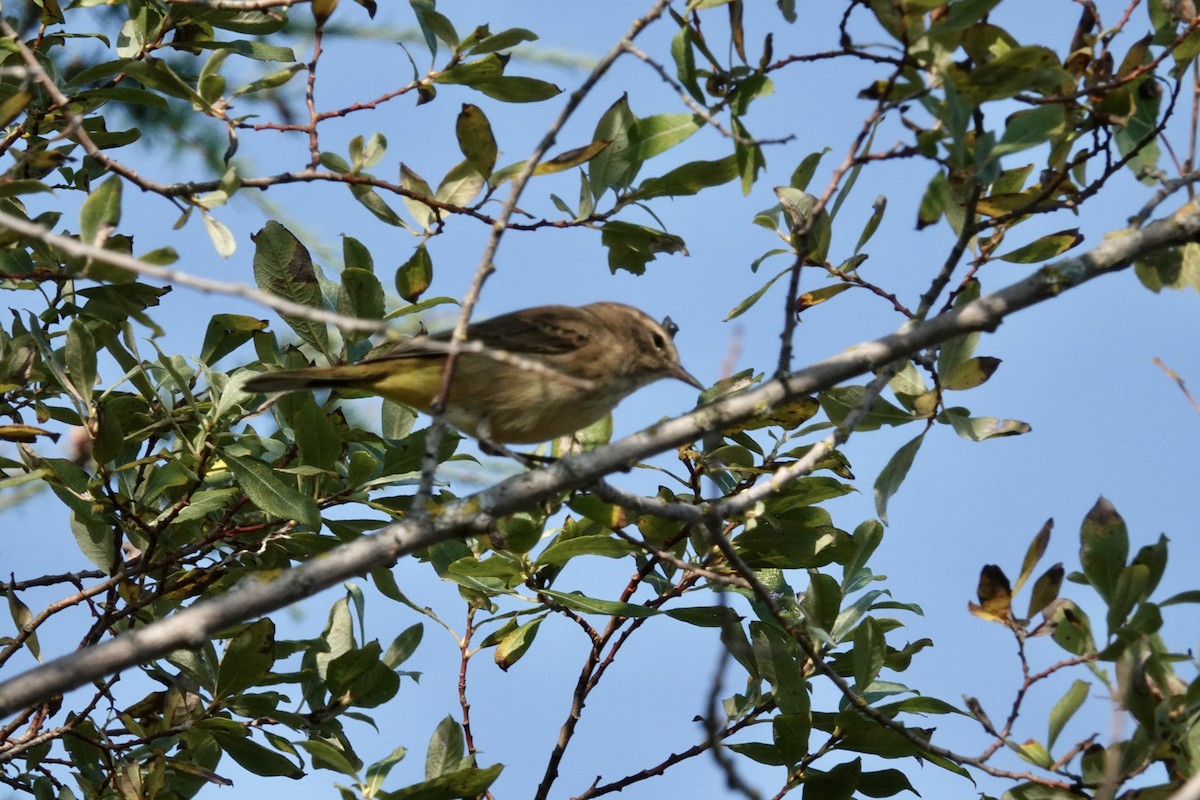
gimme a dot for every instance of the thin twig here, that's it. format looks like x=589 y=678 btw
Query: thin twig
x=1173 y=375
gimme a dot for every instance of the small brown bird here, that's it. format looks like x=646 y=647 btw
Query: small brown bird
x=615 y=348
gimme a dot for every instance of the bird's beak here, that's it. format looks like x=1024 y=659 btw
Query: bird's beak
x=682 y=374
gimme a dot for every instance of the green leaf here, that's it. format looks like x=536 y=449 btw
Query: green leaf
x=272 y=81
x=247 y=660
x=446 y=749
x=475 y=138
x=803 y=174
x=518 y=89
x=371 y=201
x=503 y=40
x=971 y=372
x=516 y=643
x=778 y=657
x=21 y=186
x=1045 y=248
x=688 y=179
x=1030 y=128
x=872 y=225
x=978 y=429
x=590 y=605
x=954 y=352
x=365 y=155
x=749 y=155
x=360 y=296
x=1033 y=554
x=377 y=773
x=415 y=275
x=618 y=164
x=22 y=618
x=867 y=538
x=1103 y=548
x=1071 y=629
x=226 y=333
x=749 y=89
x=414 y=183
x=933 y=202
x=1045 y=589
x=790 y=733
x=219 y=234
x=1065 y=708
x=870 y=648
x=404 y=645
x=1190 y=596
x=748 y=303
x=266 y=489
x=355 y=255
x=811 y=234
x=658 y=133
x=434 y=26
x=254 y=758
x=396 y=420
x=81 y=360
x=258 y=51
x=473 y=73
x=317 y=436
x=283 y=267
x=838 y=783
x=461 y=185
x=884 y=783
x=564 y=550
x=822 y=601
x=567 y=159
x=156 y=75
x=609 y=515
x=705 y=616
x=165 y=477
x=93 y=536
x=470 y=782
x=1035 y=753
x=101 y=211
x=1154 y=558
x=1139 y=133
x=327 y=756
x=210 y=82
x=893 y=474
x=1130 y=588
x=841 y=400
x=631 y=247
x=1019 y=69
x=804 y=541
x=359 y=677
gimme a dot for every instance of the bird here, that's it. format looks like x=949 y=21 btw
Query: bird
x=595 y=355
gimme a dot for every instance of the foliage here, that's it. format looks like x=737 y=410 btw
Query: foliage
x=177 y=489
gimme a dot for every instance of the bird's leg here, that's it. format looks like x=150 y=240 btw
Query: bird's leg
x=531 y=460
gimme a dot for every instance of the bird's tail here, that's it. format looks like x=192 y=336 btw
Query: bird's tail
x=298 y=380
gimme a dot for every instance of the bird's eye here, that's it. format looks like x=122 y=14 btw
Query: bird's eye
x=659 y=342
x=670 y=327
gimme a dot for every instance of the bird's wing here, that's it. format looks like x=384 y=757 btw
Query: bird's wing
x=541 y=330
x=545 y=330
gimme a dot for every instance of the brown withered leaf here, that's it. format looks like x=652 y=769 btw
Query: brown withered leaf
x=995 y=595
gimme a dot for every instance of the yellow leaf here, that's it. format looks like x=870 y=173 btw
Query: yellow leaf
x=818 y=296
x=995 y=596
